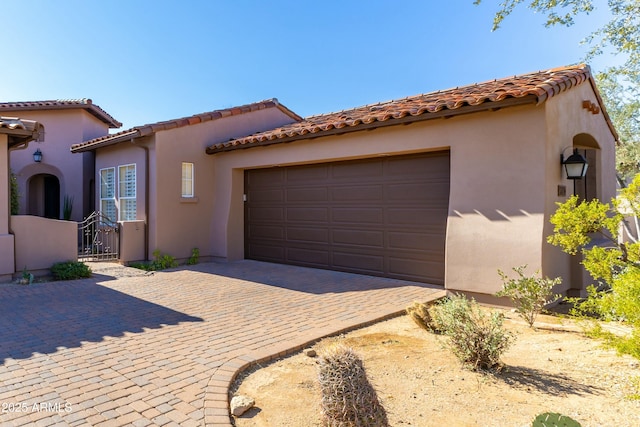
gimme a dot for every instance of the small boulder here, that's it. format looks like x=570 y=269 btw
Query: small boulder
x=310 y=352
x=241 y=404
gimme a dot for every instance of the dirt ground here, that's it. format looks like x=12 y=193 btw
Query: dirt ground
x=553 y=368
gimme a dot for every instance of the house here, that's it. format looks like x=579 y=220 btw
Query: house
x=444 y=188
x=15 y=133
x=157 y=179
x=46 y=179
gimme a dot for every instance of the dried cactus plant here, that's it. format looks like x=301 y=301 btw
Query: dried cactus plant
x=348 y=398
x=420 y=314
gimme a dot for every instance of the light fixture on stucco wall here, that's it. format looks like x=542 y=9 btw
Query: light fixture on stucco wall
x=37 y=156
x=575 y=165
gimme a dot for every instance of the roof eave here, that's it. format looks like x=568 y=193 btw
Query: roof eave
x=445 y=113
x=116 y=139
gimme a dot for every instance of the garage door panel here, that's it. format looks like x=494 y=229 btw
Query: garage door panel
x=361 y=169
x=266 y=252
x=420 y=270
x=304 y=214
x=308 y=234
x=358 y=262
x=267 y=232
x=383 y=216
x=269 y=195
x=360 y=193
x=318 y=258
x=358 y=215
x=307 y=194
x=417 y=217
x=313 y=173
x=416 y=242
x=371 y=238
x=415 y=166
x=271 y=177
x=265 y=214
x=418 y=192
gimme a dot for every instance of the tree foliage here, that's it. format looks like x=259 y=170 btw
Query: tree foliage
x=619 y=84
x=614 y=265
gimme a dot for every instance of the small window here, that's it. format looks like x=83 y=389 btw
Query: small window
x=127 y=192
x=187 y=180
x=108 y=193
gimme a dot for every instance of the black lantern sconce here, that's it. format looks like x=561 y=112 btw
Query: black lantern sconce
x=575 y=165
x=37 y=156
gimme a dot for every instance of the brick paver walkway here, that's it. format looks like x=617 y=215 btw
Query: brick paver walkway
x=163 y=349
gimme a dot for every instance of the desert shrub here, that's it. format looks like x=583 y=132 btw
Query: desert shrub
x=476 y=338
x=553 y=419
x=195 y=256
x=348 y=398
x=70 y=270
x=162 y=261
x=629 y=344
x=420 y=314
x=615 y=266
x=529 y=294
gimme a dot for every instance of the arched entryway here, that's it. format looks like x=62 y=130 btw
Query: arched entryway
x=44 y=196
x=587 y=187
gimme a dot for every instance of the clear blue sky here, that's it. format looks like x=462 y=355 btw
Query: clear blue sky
x=145 y=61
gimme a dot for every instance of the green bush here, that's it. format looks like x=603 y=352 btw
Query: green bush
x=162 y=261
x=477 y=339
x=615 y=267
x=529 y=294
x=70 y=270
x=195 y=256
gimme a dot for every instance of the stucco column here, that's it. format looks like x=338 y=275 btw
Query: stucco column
x=7 y=255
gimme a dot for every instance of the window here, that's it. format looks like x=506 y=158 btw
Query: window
x=187 y=179
x=127 y=192
x=107 y=193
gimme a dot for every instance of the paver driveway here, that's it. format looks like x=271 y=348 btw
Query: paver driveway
x=162 y=349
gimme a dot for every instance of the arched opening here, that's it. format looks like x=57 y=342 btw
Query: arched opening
x=44 y=196
x=587 y=187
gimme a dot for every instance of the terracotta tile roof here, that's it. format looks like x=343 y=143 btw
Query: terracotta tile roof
x=527 y=88
x=62 y=104
x=148 y=129
x=21 y=131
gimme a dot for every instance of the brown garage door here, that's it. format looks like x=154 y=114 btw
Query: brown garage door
x=385 y=216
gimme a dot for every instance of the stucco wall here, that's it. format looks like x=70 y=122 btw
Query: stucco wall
x=566 y=120
x=496 y=205
x=505 y=172
x=176 y=225
x=74 y=171
x=6 y=239
x=41 y=242
x=183 y=224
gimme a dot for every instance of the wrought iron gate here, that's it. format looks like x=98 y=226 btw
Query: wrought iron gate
x=98 y=238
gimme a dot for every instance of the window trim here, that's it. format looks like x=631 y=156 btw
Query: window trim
x=133 y=197
x=190 y=181
x=111 y=199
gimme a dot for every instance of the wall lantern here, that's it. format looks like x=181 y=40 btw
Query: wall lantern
x=575 y=165
x=37 y=156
